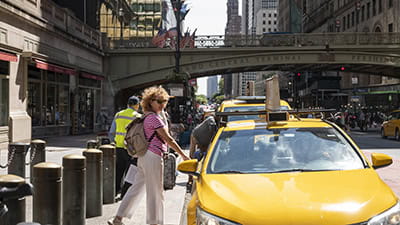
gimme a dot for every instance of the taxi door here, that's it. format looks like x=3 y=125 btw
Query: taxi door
x=390 y=125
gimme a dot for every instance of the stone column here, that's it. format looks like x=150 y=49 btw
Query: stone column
x=20 y=126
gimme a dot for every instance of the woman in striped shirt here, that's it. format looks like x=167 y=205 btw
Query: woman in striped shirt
x=150 y=165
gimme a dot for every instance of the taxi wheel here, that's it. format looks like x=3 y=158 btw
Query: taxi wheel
x=383 y=133
x=397 y=135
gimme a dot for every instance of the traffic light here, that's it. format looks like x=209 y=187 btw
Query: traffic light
x=342 y=68
x=297 y=75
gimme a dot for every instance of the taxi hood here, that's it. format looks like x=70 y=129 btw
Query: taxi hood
x=327 y=197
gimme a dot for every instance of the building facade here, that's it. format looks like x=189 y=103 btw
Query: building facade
x=359 y=16
x=50 y=69
x=130 y=18
x=212 y=86
x=290 y=15
x=233 y=27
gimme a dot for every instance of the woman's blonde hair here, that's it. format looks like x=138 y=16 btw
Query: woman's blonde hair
x=153 y=93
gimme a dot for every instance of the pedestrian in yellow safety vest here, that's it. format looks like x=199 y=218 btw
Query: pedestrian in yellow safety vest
x=117 y=135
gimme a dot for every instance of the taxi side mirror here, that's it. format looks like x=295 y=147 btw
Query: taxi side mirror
x=380 y=160
x=189 y=167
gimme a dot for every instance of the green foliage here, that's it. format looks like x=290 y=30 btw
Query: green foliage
x=201 y=99
x=218 y=99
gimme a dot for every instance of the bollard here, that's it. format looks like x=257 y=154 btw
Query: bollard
x=91 y=144
x=109 y=160
x=74 y=190
x=16 y=208
x=38 y=153
x=16 y=158
x=94 y=182
x=47 y=197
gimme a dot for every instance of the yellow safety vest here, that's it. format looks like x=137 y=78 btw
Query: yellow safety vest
x=122 y=119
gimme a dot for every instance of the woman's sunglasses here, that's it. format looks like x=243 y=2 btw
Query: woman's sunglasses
x=160 y=101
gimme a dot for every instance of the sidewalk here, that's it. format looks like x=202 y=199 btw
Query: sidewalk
x=57 y=147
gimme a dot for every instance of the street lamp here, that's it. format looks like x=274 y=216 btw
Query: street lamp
x=177 y=5
x=121 y=20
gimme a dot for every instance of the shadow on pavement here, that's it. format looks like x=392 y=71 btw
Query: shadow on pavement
x=75 y=141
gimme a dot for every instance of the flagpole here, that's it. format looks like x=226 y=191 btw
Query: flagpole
x=178 y=6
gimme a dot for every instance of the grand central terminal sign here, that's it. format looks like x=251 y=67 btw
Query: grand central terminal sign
x=299 y=58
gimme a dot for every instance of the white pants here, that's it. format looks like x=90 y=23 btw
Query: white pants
x=149 y=175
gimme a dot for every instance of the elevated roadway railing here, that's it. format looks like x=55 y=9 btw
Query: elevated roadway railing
x=270 y=40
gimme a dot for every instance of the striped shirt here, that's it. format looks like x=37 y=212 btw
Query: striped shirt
x=151 y=123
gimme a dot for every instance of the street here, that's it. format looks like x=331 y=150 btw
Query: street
x=58 y=147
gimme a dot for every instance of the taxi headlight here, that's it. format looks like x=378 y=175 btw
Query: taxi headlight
x=389 y=217
x=204 y=218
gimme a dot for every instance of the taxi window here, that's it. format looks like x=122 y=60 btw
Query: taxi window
x=243 y=109
x=283 y=150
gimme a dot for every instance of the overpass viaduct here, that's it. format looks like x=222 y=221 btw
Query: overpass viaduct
x=136 y=65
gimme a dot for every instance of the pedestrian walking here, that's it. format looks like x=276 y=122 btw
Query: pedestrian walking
x=201 y=138
x=117 y=134
x=149 y=176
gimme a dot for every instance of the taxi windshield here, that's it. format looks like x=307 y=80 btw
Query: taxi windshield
x=283 y=150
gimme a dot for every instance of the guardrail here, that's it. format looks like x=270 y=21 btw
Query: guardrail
x=269 y=40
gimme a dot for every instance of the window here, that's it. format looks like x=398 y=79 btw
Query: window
x=348 y=21
x=269 y=22
x=368 y=10
x=362 y=13
x=373 y=7
x=344 y=23
x=264 y=22
x=264 y=29
x=264 y=15
x=4 y=90
x=352 y=19
x=274 y=22
x=48 y=97
x=380 y=6
x=390 y=27
x=390 y=3
x=34 y=103
x=270 y=15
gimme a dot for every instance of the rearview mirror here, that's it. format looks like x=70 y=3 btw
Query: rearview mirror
x=380 y=160
x=189 y=167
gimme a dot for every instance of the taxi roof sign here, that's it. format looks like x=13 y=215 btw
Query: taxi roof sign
x=272 y=102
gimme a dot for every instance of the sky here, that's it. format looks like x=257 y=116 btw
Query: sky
x=209 y=17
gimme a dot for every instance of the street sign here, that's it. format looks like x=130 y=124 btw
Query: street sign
x=355 y=98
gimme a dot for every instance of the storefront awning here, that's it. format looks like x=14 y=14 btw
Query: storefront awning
x=54 y=68
x=92 y=76
x=8 y=57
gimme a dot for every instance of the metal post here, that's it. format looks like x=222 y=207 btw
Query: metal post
x=178 y=7
x=47 y=197
x=38 y=153
x=16 y=158
x=94 y=181
x=16 y=207
x=109 y=161
x=74 y=196
x=91 y=144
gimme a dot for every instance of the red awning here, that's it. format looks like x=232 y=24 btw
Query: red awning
x=8 y=57
x=51 y=67
x=92 y=76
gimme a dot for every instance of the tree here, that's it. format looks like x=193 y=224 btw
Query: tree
x=201 y=99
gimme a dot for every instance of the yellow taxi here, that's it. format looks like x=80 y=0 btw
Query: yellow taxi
x=391 y=127
x=247 y=104
x=288 y=170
